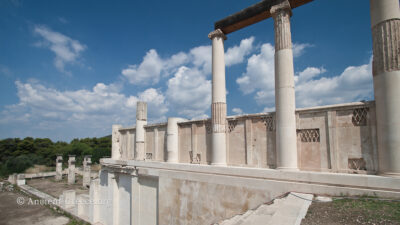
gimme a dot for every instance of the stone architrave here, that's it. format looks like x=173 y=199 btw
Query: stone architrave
x=71 y=169
x=59 y=167
x=385 y=23
x=218 y=106
x=286 y=140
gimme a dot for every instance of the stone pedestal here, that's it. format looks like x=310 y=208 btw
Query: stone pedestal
x=21 y=179
x=71 y=169
x=218 y=106
x=141 y=121
x=13 y=178
x=385 y=22
x=59 y=167
x=286 y=139
x=87 y=163
x=68 y=199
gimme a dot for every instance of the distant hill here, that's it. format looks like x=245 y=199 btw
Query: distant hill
x=16 y=155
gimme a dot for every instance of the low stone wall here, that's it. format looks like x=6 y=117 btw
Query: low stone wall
x=137 y=192
x=336 y=138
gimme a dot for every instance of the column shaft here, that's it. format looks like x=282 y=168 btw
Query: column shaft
x=385 y=21
x=141 y=121
x=87 y=163
x=218 y=106
x=286 y=147
x=71 y=169
x=173 y=139
x=59 y=167
x=115 y=145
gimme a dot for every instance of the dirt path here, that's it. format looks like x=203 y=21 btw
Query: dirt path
x=12 y=213
x=56 y=188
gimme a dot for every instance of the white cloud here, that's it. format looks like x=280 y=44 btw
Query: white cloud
x=354 y=84
x=155 y=103
x=259 y=71
x=308 y=74
x=201 y=58
x=189 y=92
x=66 y=49
x=148 y=72
x=80 y=112
x=237 y=111
x=236 y=54
x=153 y=67
x=298 y=48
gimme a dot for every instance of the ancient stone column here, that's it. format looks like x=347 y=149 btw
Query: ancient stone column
x=286 y=148
x=173 y=139
x=87 y=163
x=385 y=22
x=71 y=169
x=115 y=142
x=141 y=121
x=218 y=106
x=59 y=167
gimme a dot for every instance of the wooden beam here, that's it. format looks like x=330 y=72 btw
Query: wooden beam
x=252 y=15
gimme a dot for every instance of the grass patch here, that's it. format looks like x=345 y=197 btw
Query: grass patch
x=372 y=208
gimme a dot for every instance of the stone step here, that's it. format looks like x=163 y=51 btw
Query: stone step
x=258 y=219
x=289 y=210
x=232 y=220
x=292 y=210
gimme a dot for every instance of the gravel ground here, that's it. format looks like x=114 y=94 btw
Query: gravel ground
x=55 y=188
x=351 y=212
x=12 y=213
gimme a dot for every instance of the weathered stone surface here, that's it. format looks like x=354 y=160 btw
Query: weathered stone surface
x=87 y=163
x=285 y=103
x=385 y=20
x=340 y=139
x=281 y=14
x=141 y=121
x=194 y=202
x=71 y=169
x=217 y=34
x=251 y=15
x=59 y=167
x=386 y=46
x=116 y=142
x=141 y=111
x=218 y=115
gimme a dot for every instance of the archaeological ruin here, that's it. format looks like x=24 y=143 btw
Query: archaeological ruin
x=207 y=171
x=217 y=170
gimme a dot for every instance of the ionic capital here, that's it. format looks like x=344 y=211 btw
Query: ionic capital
x=217 y=33
x=283 y=6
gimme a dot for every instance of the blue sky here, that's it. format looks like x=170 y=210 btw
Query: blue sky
x=73 y=68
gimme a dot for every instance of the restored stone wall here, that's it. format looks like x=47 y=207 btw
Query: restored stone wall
x=156 y=142
x=127 y=142
x=337 y=138
x=172 y=193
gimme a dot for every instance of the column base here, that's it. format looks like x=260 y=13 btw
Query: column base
x=389 y=174
x=288 y=168
x=219 y=164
